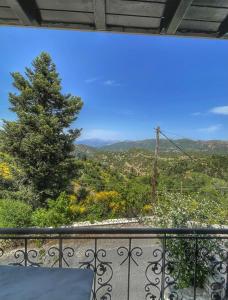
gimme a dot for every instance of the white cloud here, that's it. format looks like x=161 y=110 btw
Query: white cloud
x=220 y=110
x=197 y=113
x=102 y=134
x=210 y=129
x=110 y=82
x=92 y=80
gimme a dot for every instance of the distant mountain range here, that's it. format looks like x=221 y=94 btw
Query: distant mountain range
x=211 y=146
x=97 y=143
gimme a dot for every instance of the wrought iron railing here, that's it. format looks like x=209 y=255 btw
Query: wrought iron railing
x=129 y=263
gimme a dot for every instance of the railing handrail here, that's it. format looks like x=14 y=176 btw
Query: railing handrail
x=112 y=231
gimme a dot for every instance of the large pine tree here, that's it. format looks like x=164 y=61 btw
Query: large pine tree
x=41 y=139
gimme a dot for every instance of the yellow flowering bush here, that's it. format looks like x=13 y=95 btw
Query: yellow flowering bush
x=77 y=209
x=147 y=208
x=105 y=196
x=72 y=198
x=117 y=207
x=5 y=172
x=105 y=204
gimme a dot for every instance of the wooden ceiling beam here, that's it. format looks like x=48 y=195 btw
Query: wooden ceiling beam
x=99 y=14
x=24 y=10
x=178 y=16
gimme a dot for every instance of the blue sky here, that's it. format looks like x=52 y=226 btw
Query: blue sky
x=129 y=83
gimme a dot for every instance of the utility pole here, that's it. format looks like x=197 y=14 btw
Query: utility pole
x=154 y=181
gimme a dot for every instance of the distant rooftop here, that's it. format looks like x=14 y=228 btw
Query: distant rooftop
x=202 y=18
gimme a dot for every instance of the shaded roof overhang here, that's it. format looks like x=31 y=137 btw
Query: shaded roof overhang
x=202 y=18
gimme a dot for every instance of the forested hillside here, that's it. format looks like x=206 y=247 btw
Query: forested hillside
x=174 y=169
x=129 y=174
x=212 y=147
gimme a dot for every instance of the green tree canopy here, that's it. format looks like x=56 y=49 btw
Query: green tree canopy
x=41 y=139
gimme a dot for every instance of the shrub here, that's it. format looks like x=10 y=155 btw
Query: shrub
x=136 y=196
x=5 y=171
x=21 y=193
x=176 y=210
x=56 y=214
x=106 y=204
x=181 y=260
x=7 y=179
x=181 y=209
x=15 y=213
x=77 y=209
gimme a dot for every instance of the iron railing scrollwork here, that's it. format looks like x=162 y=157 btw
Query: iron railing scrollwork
x=102 y=287
x=129 y=263
x=129 y=255
x=60 y=255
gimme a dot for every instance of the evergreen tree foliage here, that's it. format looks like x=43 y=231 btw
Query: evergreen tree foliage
x=41 y=139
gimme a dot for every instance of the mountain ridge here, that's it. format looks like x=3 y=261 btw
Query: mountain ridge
x=207 y=146
x=97 y=143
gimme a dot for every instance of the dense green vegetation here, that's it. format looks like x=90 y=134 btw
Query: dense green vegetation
x=210 y=147
x=129 y=173
x=112 y=185
x=47 y=180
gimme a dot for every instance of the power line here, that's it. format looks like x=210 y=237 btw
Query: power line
x=177 y=146
x=177 y=135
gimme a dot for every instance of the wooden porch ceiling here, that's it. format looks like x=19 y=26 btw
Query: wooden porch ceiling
x=203 y=18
